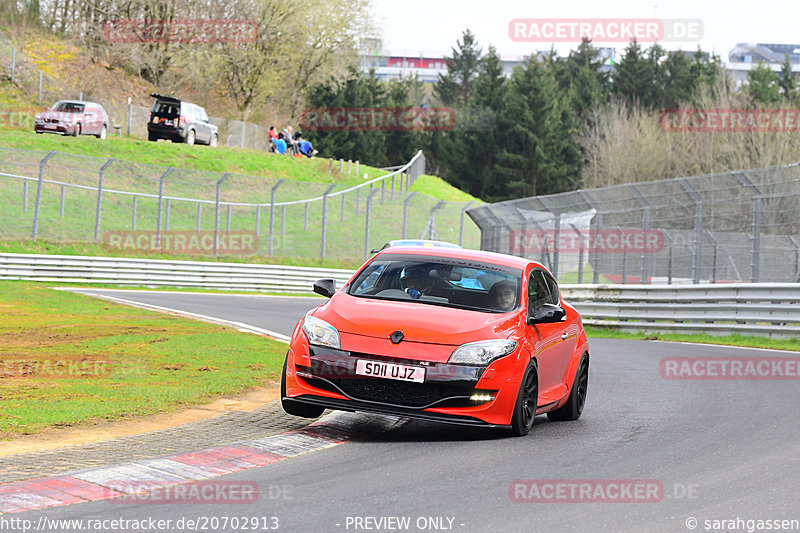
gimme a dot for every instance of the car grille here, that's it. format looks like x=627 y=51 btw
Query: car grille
x=398 y=392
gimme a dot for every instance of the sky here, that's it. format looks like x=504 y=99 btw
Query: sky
x=431 y=26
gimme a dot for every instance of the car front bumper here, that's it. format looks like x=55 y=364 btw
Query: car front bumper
x=327 y=377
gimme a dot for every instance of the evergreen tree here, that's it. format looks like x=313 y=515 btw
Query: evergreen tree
x=539 y=154
x=763 y=86
x=787 y=81
x=455 y=87
x=633 y=77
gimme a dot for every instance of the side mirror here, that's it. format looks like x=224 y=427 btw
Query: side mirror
x=547 y=313
x=325 y=287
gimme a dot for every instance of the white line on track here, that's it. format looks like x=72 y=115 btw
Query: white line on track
x=246 y=328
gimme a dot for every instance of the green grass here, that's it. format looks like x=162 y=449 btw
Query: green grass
x=236 y=160
x=155 y=362
x=791 y=344
x=438 y=188
x=294 y=240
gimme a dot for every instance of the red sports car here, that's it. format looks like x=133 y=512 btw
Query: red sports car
x=442 y=334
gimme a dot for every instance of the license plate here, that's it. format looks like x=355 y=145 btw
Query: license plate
x=50 y=126
x=390 y=371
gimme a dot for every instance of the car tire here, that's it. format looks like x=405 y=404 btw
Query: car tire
x=190 y=137
x=527 y=400
x=152 y=137
x=577 y=397
x=297 y=408
x=103 y=133
x=214 y=141
x=77 y=130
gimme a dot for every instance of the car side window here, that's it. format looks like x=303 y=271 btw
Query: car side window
x=201 y=114
x=552 y=286
x=538 y=291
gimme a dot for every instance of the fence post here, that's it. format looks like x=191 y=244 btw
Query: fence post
x=133 y=213
x=598 y=224
x=39 y=195
x=166 y=218
x=325 y=219
x=461 y=230
x=349 y=166
x=405 y=212
x=216 y=212
x=756 y=224
x=392 y=197
x=341 y=216
x=272 y=212
x=61 y=202
x=645 y=227
x=199 y=215
x=698 y=228
x=330 y=165
x=580 y=252
x=383 y=191
x=714 y=261
x=130 y=115
x=305 y=219
x=99 y=208
x=796 y=259
x=160 y=204
x=366 y=227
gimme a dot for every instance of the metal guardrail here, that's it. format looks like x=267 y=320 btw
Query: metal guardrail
x=764 y=309
x=164 y=273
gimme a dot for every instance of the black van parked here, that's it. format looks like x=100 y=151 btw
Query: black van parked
x=178 y=121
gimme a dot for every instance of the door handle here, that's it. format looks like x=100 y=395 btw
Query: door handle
x=564 y=336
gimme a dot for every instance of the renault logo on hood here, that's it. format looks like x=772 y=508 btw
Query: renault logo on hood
x=396 y=337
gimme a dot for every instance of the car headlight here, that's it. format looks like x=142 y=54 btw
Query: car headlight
x=321 y=333
x=38 y=120
x=482 y=352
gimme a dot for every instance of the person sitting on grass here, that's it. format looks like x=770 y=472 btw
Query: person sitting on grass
x=306 y=147
x=273 y=136
x=280 y=144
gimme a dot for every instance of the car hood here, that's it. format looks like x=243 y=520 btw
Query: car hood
x=419 y=322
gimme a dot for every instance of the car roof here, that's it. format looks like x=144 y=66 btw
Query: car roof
x=421 y=242
x=462 y=253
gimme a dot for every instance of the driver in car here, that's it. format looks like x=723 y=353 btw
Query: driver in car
x=503 y=296
x=416 y=281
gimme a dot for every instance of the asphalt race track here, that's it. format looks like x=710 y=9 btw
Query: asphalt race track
x=718 y=449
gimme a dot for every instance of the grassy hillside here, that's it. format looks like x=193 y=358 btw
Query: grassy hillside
x=254 y=173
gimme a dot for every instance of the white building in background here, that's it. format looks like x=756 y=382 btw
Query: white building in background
x=391 y=65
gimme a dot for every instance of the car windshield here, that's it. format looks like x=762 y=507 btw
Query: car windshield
x=442 y=281
x=69 y=107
